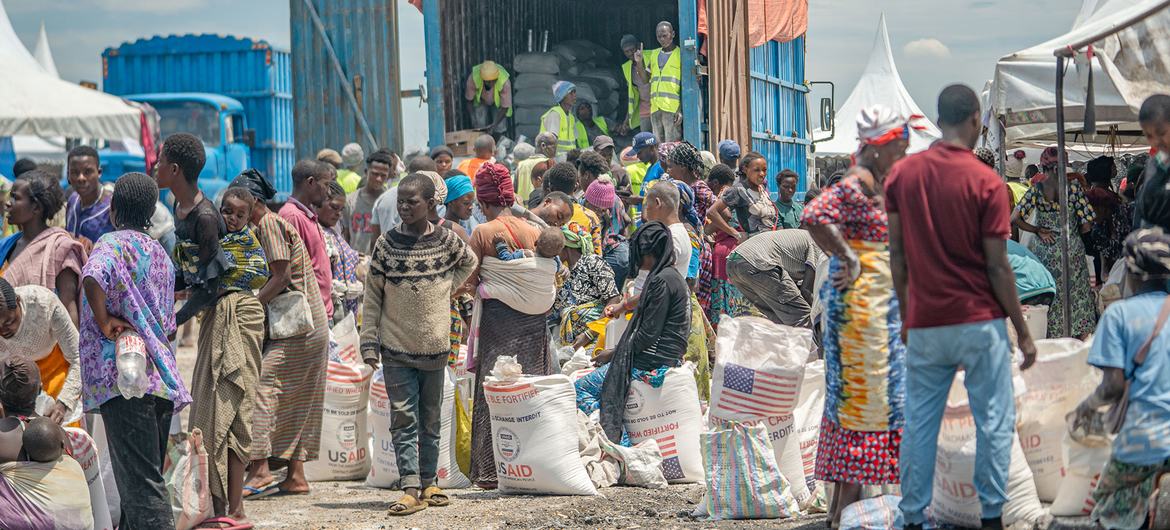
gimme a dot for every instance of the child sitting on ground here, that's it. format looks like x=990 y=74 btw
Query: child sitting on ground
x=248 y=266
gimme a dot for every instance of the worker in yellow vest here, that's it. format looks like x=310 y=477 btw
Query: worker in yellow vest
x=589 y=125
x=561 y=120
x=666 y=86
x=488 y=89
x=637 y=87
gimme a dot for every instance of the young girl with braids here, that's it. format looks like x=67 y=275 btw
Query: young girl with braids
x=129 y=285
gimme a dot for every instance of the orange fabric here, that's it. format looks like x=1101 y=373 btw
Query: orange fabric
x=53 y=369
x=778 y=20
x=471 y=166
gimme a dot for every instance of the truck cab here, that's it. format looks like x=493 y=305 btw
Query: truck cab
x=218 y=120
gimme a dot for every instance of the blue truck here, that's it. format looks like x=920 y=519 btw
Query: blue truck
x=234 y=93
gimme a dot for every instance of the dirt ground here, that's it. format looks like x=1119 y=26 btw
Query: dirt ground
x=353 y=506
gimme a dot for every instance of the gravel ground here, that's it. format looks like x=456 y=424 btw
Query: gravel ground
x=352 y=506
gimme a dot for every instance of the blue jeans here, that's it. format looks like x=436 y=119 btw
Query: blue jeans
x=934 y=354
x=416 y=399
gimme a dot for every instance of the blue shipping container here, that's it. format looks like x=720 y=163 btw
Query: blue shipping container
x=249 y=71
x=779 y=120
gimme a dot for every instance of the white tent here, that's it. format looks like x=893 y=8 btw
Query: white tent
x=37 y=103
x=44 y=55
x=879 y=84
x=1023 y=90
x=41 y=150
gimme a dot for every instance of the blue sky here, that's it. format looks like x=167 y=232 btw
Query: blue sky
x=935 y=42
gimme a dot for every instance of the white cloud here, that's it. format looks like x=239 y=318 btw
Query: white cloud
x=927 y=48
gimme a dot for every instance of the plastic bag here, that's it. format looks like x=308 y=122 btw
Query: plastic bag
x=462 y=434
x=743 y=480
x=131 y=361
x=186 y=479
x=84 y=451
x=878 y=513
x=758 y=369
x=671 y=416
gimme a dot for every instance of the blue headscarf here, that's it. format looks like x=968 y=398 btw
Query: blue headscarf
x=686 y=197
x=457 y=187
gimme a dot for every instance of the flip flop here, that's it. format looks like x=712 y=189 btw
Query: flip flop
x=408 y=505
x=277 y=491
x=252 y=491
x=435 y=497
x=227 y=523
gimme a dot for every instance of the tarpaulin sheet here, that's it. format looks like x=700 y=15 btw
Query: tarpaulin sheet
x=778 y=20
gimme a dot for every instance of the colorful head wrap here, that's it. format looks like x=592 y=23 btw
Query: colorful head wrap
x=457 y=187
x=665 y=149
x=577 y=237
x=880 y=125
x=440 y=186
x=686 y=201
x=1049 y=159
x=493 y=185
x=256 y=184
x=1147 y=253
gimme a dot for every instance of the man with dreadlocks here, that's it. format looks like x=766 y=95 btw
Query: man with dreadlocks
x=129 y=287
x=1127 y=332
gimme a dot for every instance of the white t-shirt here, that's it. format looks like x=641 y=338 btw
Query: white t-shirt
x=682 y=248
x=385 y=213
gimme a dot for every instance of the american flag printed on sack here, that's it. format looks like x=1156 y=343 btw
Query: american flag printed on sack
x=752 y=393
x=671 y=468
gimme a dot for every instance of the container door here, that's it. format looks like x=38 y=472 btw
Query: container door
x=779 y=113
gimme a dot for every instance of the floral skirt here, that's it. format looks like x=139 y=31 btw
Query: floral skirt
x=576 y=319
x=727 y=299
x=855 y=457
x=1122 y=495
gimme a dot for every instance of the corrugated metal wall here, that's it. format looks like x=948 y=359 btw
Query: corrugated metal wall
x=779 y=115
x=363 y=35
x=476 y=30
x=250 y=71
x=729 y=79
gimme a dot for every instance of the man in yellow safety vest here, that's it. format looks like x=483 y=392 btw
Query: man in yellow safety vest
x=561 y=120
x=666 y=86
x=589 y=125
x=637 y=116
x=488 y=88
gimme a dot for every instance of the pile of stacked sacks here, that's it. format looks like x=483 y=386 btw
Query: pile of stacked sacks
x=589 y=66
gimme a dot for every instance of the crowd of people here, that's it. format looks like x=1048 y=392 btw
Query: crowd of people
x=905 y=266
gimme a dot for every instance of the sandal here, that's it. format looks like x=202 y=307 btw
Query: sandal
x=407 y=505
x=225 y=523
x=252 y=491
x=435 y=497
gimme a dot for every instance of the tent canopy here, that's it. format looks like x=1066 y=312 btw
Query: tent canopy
x=1127 y=67
x=37 y=103
x=879 y=84
x=44 y=55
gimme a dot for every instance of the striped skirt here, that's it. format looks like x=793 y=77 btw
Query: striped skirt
x=291 y=395
x=223 y=389
x=864 y=375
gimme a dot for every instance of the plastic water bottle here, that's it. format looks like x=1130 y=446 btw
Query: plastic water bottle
x=131 y=358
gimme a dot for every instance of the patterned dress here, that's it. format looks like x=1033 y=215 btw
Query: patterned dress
x=344 y=269
x=582 y=299
x=291 y=392
x=1084 y=308
x=861 y=430
x=137 y=276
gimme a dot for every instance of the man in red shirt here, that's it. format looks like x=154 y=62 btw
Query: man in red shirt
x=949 y=225
x=308 y=178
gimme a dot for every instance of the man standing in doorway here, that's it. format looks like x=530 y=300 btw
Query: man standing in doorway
x=561 y=120
x=949 y=225
x=637 y=87
x=666 y=86
x=488 y=89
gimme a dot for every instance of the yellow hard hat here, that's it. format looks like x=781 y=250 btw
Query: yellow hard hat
x=489 y=71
